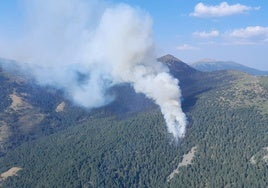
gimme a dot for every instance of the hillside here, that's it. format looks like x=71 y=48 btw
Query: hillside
x=208 y=65
x=29 y=111
x=125 y=144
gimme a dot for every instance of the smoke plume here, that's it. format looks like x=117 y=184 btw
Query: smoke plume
x=86 y=47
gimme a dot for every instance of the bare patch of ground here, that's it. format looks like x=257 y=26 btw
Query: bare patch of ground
x=11 y=172
x=60 y=107
x=253 y=160
x=17 y=102
x=26 y=115
x=186 y=160
x=260 y=157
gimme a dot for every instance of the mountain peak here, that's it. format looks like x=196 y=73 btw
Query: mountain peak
x=169 y=58
x=176 y=66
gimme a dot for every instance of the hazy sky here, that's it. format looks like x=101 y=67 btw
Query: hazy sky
x=190 y=30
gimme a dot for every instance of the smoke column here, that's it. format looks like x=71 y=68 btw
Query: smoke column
x=107 y=44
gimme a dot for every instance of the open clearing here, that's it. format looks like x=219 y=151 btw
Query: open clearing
x=186 y=160
x=11 y=172
x=16 y=101
x=260 y=156
x=60 y=107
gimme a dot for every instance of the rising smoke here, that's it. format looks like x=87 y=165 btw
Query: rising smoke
x=107 y=44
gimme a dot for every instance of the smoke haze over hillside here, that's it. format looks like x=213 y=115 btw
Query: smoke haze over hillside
x=86 y=47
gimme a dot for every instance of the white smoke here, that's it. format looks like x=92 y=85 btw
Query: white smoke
x=106 y=44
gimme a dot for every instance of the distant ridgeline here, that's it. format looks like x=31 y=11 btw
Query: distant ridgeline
x=208 y=65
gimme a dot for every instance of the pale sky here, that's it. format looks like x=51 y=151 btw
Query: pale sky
x=190 y=30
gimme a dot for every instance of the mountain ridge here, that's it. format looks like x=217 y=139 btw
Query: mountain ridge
x=208 y=65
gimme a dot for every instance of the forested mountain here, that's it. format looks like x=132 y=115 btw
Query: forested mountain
x=46 y=141
x=208 y=65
